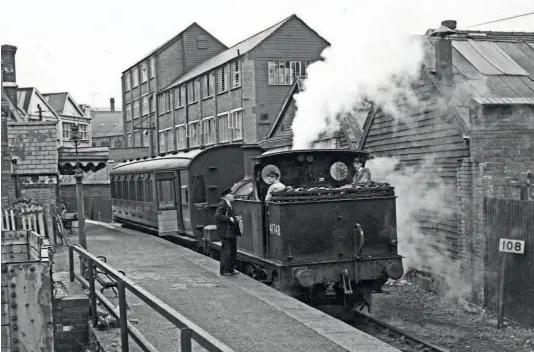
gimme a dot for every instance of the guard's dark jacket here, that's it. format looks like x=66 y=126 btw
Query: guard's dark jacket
x=225 y=227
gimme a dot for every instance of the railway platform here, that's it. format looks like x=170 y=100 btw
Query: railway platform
x=237 y=310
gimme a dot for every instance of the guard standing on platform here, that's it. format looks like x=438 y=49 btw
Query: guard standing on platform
x=228 y=229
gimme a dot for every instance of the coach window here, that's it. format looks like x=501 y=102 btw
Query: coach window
x=141 y=188
x=133 y=192
x=125 y=189
x=166 y=194
x=148 y=190
x=118 y=187
x=112 y=185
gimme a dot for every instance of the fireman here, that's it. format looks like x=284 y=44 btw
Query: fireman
x=273 y=178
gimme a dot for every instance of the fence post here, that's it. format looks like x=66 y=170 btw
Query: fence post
x=71 y=263
x=123 y=317
x=92 y=289
x=185 y=340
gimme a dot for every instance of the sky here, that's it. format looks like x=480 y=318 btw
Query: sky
x=83 y=46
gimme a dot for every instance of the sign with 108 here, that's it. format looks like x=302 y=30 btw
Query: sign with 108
x=511 y=246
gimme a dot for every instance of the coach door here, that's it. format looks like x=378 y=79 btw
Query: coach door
x=167 y=205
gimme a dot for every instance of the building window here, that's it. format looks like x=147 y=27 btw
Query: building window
x=152 y=104
x=208 y=85
x=180 y=137
x=177 y=100
x=236 y=125
x=152 y=67
x=129 y=140
x=161 y=103
x=223 y=78
x=127 y=82
x=193 y=133
x=208 y=130
x=136 y=109
x=161 y=137
x=118 y=143
x=284 y=72
x=182 y=95
x=145 y=106
x=168 y=105
x=144 y=72
x=146 y=139
x=224 y=131
x=170 y=139
x=192 y=92
x=128 y=112
x=236 y=74
x=137 y=139
x=83 y=132
x=66 y=130
x=135 y=77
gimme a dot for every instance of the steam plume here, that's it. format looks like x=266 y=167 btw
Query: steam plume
x=359 y=66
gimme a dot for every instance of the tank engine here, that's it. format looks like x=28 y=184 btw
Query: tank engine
x=317 y=241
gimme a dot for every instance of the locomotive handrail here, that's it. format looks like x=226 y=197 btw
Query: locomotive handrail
x=188 y=330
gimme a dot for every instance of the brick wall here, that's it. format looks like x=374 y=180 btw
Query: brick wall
x=71 y=314
x=501 y=153
x=35 y=146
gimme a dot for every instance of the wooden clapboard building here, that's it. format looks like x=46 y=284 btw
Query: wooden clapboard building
x=474 y=121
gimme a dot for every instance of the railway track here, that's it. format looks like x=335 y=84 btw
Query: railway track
x=392 y=335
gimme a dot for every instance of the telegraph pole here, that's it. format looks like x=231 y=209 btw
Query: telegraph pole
x=78 y=175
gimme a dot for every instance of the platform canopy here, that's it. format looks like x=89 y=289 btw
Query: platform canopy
x=90 y=159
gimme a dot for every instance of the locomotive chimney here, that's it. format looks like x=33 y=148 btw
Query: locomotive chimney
x=250 y=151
x=444 y=50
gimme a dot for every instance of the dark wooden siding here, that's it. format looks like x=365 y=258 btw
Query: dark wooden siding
x=293 y=41
x=428 y=131
x=194 y=55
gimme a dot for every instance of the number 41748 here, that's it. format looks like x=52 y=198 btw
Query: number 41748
x=512 y=246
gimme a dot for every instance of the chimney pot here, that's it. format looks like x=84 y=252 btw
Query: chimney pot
x=112 y=103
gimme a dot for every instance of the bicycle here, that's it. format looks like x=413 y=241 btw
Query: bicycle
x=60 y=228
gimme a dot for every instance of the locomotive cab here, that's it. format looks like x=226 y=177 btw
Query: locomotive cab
x=330 y=244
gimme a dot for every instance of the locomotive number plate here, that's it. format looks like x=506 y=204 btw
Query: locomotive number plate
x=274 y=229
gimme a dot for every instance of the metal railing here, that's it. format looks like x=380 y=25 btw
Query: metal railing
x=188 y=330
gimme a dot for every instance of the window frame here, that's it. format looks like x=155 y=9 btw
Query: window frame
x=135 y=77
x=135 y=109
x=160 y=193
x=196 y=137
x=129 y=111
x=236 y=74
x=231 y=126
x=226 y=127
x=180 y=144
x=152 y=67
x=144 y=72
x=144 y=105
x=128 y=82
x=211 y=138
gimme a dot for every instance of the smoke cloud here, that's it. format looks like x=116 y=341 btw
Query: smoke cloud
x=370 y=59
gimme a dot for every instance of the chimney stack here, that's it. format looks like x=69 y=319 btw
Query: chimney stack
x=112 y=103
x=444 y=50
x=9 y=73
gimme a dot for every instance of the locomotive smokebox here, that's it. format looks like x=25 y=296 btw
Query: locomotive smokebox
x=250 y=151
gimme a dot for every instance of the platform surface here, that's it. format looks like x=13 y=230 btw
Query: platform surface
x=239 y=311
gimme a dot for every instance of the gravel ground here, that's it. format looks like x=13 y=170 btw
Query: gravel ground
x=446 y=323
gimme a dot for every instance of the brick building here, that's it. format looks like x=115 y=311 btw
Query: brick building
x=146 y=78
x=236 y=94
x=475 y=119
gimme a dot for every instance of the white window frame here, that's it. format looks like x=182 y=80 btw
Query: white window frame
x=223 y=138
x=161 y=140
x=136 y=109
x=146 y=139
x=144 y=72
x=193 y=134
x=128 y=112
x=161 y=100
x=209 y=138
x=84 y=131
x=66 y=130
x=232 y=125
x=137 y=138
x=236 y=73
x=222 y=79
x=128 y=82
x=152 y=67
x=169 y=138
x=144 y=105
x=181 y=136
x=152 y=104
x=177 y=100
x=135 y=77
x=129 y=139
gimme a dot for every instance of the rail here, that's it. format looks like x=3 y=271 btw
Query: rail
x=188 y=330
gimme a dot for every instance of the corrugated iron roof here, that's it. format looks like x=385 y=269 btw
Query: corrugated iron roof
x=520 y=53
x=229 y=54
x=505 y=101
x=475 y=58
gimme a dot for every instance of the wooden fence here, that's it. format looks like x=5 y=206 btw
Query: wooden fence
x=510 y=219
x=24 y=217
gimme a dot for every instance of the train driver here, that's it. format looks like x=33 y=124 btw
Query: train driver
x=362 y=174
x=273 y=178
x=228 y=229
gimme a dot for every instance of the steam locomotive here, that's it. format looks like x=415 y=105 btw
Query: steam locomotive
x=316 y=241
